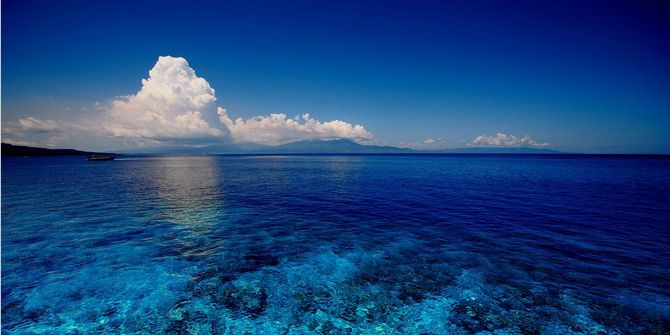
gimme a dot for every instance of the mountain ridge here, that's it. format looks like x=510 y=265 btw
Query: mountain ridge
x=337 y=146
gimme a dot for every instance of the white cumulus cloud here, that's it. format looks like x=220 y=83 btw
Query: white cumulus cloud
x=504 y=140
x=173 y=103
x=176 y=107
x=278 y=129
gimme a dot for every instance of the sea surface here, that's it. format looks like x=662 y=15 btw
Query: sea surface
x=451 y=244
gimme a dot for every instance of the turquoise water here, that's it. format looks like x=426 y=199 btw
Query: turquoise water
x=454 y=244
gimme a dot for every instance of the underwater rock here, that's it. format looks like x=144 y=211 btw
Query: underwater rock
x=311 y=299
x=473 y=316
x=207 y=287
x=177 y=327
x=178 y=314
x=33 y=315
x=529 y=325
x=242 y=297
x=262 y=259
x=178 y=311
x=411 y=293
x=327 y=327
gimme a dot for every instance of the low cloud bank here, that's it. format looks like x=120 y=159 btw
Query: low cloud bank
x=504 y=140
x=279 y=129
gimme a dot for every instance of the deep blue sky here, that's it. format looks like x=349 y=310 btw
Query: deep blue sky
x=590 y=76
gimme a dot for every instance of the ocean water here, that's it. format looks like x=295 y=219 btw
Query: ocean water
x=453 y=244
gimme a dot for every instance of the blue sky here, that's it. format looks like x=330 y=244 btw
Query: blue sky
x=583 y=76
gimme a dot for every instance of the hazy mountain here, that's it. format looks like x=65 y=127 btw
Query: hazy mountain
x=300 y=147
x=347 y=146
x=327 y=147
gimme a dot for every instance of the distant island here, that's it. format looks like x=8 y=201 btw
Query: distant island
x=301 y=147
x=24 y=151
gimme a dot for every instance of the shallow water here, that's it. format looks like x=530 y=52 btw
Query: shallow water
x=454 y=244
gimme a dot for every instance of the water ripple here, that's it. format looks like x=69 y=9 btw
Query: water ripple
x=337 y=244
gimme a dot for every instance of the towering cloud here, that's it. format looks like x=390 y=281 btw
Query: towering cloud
x=504 y=140
x=173 y=104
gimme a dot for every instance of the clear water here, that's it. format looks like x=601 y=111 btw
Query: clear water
x=337 y=245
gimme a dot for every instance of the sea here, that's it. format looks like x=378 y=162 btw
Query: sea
x=337 y=244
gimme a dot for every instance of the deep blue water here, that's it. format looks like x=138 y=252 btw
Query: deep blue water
x=337 y=244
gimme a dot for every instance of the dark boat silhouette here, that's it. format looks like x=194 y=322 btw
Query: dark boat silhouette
x=101 y=158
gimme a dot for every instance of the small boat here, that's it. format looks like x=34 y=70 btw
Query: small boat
x=101 y=158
